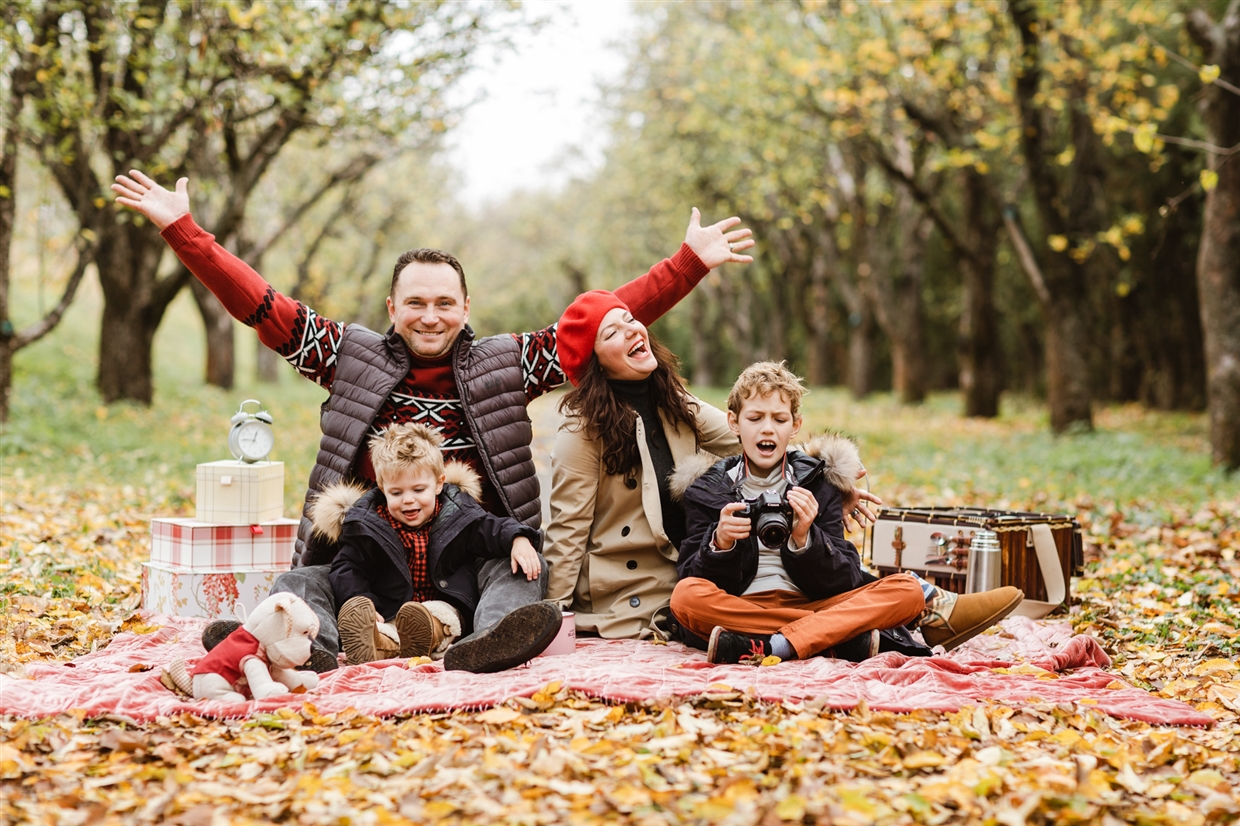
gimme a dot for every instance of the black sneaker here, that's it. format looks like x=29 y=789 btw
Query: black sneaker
x=218 y=631
x=321 y=661
x=517 y=638
x=859 y=649
x=729 y=647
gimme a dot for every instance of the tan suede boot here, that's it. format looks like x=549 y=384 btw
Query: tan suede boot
x=971 y=615
x=359 y=635
x=426 y=628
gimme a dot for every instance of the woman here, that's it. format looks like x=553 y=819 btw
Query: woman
x=629 y=422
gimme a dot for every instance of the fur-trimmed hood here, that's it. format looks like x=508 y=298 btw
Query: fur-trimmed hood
x=332 y=505
x=841 y=463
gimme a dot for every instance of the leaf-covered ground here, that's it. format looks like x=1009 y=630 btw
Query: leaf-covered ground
x=1162 y=597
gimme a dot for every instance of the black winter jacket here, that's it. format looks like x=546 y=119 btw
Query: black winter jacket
x=372 y=562
x=828 y=566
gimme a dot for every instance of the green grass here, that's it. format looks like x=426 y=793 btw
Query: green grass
x=61 y=434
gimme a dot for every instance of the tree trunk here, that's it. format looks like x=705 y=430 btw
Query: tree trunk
x=221 y=364
x=133 y=305
x=700 y=346
x=267 y=364
x=1064 y=209
x=818 y=326
x=908 y=334
x=979 y=353
x=861 y=353
x=1067 y=365
x=1218 y=261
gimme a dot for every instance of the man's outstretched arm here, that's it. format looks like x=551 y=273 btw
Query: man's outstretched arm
x=283 y=324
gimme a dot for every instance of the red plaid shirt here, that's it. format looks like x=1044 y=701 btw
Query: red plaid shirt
x=416 y=541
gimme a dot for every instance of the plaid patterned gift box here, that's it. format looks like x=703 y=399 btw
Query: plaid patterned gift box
x=205 y=546
x=237 y=493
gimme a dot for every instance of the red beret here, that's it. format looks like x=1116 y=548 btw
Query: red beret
x=578 y=328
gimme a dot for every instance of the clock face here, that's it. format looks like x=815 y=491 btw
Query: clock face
x=253 y=440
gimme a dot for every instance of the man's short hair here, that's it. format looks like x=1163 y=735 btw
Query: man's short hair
x=426 y=256
x=406 y=446
x=764 y=378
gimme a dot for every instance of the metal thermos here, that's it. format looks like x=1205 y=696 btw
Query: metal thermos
x=985 y=562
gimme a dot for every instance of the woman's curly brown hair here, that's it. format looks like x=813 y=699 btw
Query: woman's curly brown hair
x=600 y=410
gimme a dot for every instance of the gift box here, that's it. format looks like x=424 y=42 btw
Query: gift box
x=231 y=492
x=167 y=589
x=205 y=546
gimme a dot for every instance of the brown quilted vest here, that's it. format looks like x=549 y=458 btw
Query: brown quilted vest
x=489 y=380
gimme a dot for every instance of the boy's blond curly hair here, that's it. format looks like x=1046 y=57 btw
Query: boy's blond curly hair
x=407 y=445
x=763 y=378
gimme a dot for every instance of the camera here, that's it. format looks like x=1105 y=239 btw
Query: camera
x=771 y=516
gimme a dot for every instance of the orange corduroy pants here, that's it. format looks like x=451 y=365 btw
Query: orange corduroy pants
x=811 y=626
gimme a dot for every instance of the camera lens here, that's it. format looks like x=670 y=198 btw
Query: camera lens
x=772 y=529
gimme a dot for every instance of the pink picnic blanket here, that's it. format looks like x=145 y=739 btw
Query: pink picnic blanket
x=1065 y=668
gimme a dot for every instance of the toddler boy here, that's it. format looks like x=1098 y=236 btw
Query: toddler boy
x=404 y=575
x=807 y=594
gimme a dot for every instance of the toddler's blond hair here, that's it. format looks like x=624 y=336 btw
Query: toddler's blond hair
x=408 y=445
x=763 y=378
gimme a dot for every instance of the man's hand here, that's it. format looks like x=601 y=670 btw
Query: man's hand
x=714 y=244
x=804 y=510
x=525 y=557
x=731 y=527
x=160 y=206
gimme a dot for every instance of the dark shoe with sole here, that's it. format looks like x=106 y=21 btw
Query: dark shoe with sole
x=320 y=662
x=730 y=647
x=517 y=638
x=859 y=649
x=218 y=631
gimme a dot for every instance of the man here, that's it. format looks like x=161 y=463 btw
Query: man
x=428 y=368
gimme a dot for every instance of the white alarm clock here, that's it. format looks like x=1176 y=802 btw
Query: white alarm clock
x=251 y=437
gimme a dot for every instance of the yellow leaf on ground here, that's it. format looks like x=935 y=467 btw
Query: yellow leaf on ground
x=498 y=715
x=791 y=807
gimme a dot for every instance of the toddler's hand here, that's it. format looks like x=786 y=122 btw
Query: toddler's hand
x=731 y=527
x=526 y=558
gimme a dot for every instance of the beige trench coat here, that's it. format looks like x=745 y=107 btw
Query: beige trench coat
x=611 y=561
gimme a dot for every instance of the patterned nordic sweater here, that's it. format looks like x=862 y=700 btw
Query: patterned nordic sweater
x=428 y=393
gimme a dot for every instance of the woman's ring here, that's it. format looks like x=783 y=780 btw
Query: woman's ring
x=731 y=246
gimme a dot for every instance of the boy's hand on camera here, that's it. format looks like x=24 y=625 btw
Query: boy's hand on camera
x=525 y=557
x=804 y=511
x=731 y=527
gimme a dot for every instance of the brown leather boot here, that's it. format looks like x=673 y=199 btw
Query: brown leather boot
x=972 y=614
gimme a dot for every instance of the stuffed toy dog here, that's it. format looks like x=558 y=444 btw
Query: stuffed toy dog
x=259 y=656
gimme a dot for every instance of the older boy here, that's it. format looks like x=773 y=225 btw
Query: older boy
x=807 y=594
x=407 y=550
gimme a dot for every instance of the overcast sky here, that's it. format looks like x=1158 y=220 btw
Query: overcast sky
x=540 y=105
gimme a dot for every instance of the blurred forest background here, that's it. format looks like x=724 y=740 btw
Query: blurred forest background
x=1022 y=197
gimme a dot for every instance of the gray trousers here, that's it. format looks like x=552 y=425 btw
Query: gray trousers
x=500 y=593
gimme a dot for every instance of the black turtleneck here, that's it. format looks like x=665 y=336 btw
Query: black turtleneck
x=638 y=394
